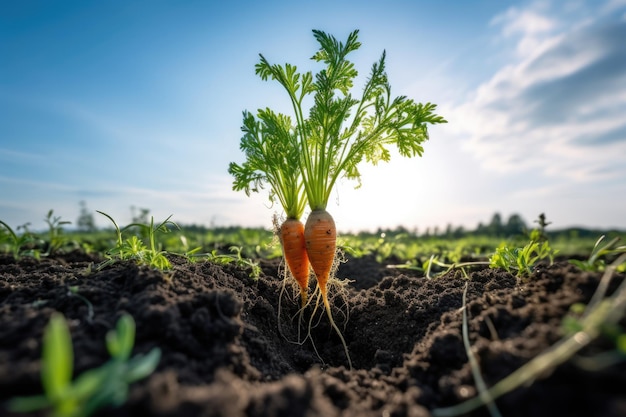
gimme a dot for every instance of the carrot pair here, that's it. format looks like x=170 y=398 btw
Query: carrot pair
x=314 y=244
x=303 y=155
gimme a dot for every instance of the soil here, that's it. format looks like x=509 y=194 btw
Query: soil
x=227 y=352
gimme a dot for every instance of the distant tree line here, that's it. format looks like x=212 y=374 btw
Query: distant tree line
x=496 y=227
x=514 y=226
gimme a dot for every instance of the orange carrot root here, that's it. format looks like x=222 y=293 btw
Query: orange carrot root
x=294 y=250
x=320 y=235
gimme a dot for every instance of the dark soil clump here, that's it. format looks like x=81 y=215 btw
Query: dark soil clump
x=227 y=352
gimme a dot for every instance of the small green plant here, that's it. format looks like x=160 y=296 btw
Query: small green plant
x=133 y=248
x=56 y=238
x=596 y=261
x=19 y=245
x=234 y=257
x=94 y=389
x=522 y=260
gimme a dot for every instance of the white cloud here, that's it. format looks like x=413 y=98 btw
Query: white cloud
x=529 y=24
x=558 y=107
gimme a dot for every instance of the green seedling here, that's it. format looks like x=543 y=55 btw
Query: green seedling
x=255 y=269
x=133 y=248
x=56 y=238
x=19 y=244
x=234 y=257
x=596 y=261
x=522 y=260
x=94 y=389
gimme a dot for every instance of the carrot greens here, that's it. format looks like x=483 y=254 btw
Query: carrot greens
x=270 y=160
x=341 y=131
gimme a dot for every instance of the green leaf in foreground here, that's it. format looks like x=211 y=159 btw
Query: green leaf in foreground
x=120 y=342
x=57 y=363
x=94 y=389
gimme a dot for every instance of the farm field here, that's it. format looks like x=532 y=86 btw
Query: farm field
x=513 y=106
x=225 y=324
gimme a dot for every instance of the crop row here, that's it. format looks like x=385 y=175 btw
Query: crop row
x=151 y=243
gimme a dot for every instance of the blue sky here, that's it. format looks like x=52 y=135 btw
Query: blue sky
x=140 y=103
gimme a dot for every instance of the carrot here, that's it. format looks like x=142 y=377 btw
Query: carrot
x=320 y=234
x=294 y=251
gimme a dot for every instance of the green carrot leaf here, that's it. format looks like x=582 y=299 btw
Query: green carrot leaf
x=271 y=159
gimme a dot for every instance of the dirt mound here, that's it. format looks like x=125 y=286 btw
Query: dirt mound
x=227 y=352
